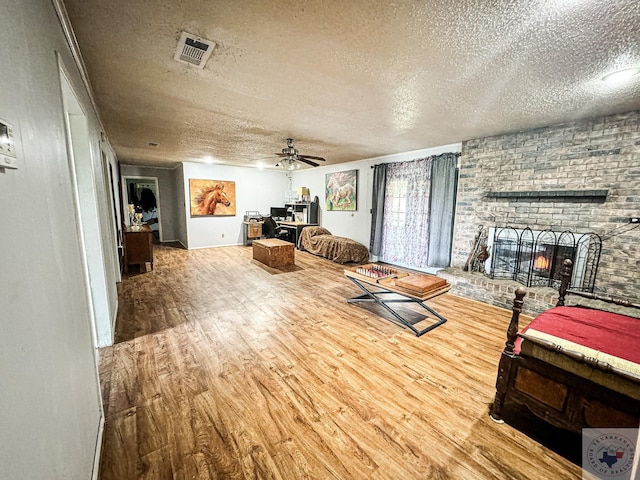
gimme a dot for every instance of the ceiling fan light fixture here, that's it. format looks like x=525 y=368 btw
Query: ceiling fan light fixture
x=291 y=160
x=621 y=75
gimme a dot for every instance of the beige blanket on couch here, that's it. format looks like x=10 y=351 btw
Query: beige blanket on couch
x=319 y=241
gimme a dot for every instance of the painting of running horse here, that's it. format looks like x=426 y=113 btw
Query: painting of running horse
x=212 y=197
x=341 y=190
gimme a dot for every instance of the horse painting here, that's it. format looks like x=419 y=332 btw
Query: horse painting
x=212 y=197
x=340 y=191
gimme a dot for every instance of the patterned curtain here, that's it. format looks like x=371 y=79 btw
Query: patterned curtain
x=405 y=228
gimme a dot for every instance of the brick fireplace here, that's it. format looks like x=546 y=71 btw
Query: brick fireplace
x=582 y=177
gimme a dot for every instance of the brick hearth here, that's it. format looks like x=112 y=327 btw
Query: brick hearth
x=497 y=292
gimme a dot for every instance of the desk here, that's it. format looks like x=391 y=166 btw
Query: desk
x=294 y=229
x=138 y=246
x=384 y=291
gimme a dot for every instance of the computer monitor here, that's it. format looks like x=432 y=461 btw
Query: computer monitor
x=278 y=213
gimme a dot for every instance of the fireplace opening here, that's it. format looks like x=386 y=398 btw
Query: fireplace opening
x=535 y=258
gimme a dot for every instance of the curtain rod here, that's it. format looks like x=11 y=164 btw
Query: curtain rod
x=457 y=154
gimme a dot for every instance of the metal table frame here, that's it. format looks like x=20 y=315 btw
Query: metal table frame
x=377 y=296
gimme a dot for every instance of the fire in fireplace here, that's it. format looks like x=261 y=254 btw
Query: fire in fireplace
x=542 y=264
x=534 y=258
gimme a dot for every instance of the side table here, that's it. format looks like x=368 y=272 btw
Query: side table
x=138 y=246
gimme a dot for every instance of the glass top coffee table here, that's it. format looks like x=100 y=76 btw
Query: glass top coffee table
x=387 y=286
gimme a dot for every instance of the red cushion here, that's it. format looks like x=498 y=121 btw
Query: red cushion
x=606 y=332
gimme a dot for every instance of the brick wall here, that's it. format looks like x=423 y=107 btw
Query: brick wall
x=601 y=153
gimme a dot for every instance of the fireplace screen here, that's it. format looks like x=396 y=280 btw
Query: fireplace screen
x=536 y=258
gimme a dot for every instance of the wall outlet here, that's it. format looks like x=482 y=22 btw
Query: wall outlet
x=223 y=235
x=634 y=219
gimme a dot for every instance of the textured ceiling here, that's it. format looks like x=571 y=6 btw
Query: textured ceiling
x=347 y=79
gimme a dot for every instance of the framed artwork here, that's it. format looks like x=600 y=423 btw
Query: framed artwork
x=340 y=190
x=212 y=198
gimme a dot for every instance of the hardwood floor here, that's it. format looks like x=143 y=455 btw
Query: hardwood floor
x=224 y=369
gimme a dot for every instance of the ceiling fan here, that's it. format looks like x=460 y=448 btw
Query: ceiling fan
x=290 y=155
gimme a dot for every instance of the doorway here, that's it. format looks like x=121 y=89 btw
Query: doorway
x=132 y=193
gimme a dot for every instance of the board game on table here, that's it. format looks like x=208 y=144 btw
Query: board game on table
x=386 y=285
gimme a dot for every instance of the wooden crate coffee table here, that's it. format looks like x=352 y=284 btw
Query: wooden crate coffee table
x=274 y=252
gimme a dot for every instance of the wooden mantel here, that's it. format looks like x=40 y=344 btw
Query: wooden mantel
x=592 y=196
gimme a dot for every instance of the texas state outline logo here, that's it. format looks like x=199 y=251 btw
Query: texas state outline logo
x=609 y=453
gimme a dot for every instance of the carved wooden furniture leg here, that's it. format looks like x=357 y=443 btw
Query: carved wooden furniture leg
x=505 y=368
x=567 y=270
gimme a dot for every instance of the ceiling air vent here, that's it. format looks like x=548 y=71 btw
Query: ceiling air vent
x=193 y=50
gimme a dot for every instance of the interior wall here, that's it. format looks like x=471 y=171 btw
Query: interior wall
x=181 y=205
x=355 y=225
x=51 y=410
x=256 y=190
x=168 y=196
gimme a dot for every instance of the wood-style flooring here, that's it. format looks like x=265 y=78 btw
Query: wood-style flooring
x=224 y=369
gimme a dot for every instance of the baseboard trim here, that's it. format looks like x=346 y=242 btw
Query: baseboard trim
x=216 y=246
x=98 y=452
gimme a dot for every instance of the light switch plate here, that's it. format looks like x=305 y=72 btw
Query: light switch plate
x=8 y=157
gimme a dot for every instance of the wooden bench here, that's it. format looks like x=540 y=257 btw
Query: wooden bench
x=274 y=252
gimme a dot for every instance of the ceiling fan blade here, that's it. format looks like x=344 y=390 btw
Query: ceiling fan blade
x=282 y=154
x=312 y=157
x=308 y=162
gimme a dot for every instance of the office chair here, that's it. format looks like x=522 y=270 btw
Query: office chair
x=271 y=229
